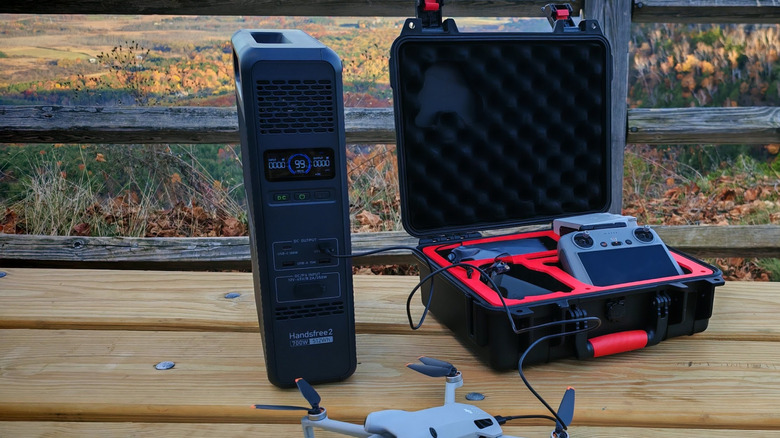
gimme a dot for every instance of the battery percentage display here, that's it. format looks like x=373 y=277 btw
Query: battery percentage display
x=299 y=164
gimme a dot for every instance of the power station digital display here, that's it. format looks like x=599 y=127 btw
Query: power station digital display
x=299 y=164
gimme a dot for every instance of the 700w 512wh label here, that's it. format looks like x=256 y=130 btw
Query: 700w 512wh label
x=311 y=337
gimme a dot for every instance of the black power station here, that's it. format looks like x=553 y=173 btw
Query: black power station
x=291 y=118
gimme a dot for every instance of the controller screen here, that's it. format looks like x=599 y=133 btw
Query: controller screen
x=625 y=265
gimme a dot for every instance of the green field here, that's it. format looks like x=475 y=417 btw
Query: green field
x=44 y=53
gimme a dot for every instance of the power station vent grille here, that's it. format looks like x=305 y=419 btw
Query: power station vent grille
x=296 y=106
x=309 y=310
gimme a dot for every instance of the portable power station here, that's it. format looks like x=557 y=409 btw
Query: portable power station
x=291 y=119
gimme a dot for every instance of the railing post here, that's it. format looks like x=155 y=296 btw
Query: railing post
x=615 y=19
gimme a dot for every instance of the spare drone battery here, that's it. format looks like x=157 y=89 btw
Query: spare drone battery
x=499 y=130
x=291 y=120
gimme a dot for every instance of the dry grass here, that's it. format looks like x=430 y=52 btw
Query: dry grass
x=54 y=205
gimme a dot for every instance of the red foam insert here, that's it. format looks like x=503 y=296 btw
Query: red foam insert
x=545 y=262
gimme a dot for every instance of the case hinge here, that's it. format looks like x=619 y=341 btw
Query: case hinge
x=661 y=302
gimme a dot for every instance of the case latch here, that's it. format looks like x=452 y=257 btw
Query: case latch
x=429 y=12
x=559 y=13
x=560 y=18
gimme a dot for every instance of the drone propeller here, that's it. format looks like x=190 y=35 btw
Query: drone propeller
x=433 y=367
x=308 y=393
x=566 y=409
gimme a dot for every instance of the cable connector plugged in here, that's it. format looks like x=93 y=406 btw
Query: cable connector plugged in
x=327 y=247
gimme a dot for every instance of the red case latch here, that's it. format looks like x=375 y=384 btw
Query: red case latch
x=430 y=5
x=560 y=13
x=430 y=14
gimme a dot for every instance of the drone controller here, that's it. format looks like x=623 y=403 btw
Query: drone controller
x=608 y=256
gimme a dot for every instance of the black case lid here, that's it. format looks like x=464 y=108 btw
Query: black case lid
x=500 y=129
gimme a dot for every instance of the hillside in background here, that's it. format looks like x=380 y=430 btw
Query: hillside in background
x=181 y=190
x=140 y=60
x=126 y=60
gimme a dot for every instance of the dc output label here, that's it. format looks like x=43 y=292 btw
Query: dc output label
x=311 y=337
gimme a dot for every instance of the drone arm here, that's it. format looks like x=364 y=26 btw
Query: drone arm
x=450 y=387
x=341 y=427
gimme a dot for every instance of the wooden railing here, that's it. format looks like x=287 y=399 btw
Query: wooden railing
x=122 y=125
x=199 y=125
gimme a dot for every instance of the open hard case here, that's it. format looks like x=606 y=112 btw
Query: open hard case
x=499 y=130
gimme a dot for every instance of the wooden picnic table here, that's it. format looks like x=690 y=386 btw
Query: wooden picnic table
x=78 y=350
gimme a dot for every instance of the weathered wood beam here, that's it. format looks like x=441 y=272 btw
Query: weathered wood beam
x=204 y=253
x=706 y=11
x=329 y=8
x=145 y=125
x=197 y=125
x=662 y=11
x=197 y=253
x=705 y=125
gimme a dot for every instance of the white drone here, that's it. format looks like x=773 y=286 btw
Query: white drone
x=451 y=420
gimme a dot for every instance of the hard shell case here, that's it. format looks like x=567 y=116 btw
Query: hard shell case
x=499 y=130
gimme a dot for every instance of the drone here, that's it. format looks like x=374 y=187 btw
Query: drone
x=451 y=420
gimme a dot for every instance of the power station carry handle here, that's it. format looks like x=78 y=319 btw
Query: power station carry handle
x=614 y=343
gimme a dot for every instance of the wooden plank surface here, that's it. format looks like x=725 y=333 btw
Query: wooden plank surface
x=78 y=349
x=107 y=299
x=206 y=253
x=223 y=430
x=198 y=125
x=94 y=375
x=195 y=301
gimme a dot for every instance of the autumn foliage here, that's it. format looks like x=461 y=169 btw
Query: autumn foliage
x=163 y=191
x=729 y=65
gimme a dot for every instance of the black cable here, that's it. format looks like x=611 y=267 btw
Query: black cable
x=492 y=284
x=416 y=251
x=514 y=328
x=468 y=267
x=501 y=419
x=544 y=338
